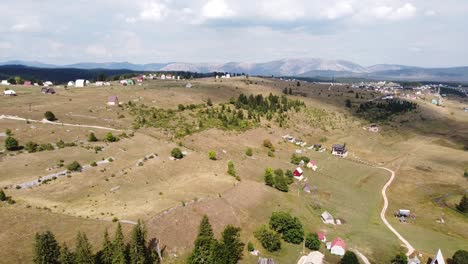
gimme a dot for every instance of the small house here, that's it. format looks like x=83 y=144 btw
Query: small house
x=80 y=83
x=298 y=172
x=4 y=82
x=404 y=212
x=373 y=128
x=265 y=261
x=71 y=83
x=321 y=236
x=48 y=83
x=112 y=100
x=314 y=257
x=312 y=165
x=339 y=150
x=140 y=78
x=99 y=83
x=337 y=246
x=189 y=85
x=163 y=77
x=9 y=93
x=327 y=218
x=438 y=258
x=306 y=188
x=27 y=83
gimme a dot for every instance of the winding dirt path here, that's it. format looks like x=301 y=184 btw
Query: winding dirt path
x=384 y=210
x=9 y=117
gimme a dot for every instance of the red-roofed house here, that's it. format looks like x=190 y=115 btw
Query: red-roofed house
x=337 y=246
x=298 y=172
x=321 y=236
x=27 y=83
x=312 y=165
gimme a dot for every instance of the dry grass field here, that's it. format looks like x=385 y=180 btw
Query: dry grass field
x=424 y=148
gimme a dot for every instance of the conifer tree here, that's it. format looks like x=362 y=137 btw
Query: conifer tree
x=83 y=250
x=66 y=256
x=268 y=177
x=106 y=251
x=463 y=205
x=118 y=247
x=202 y=251
x=3 y=196
x=138 y=249
x=92 y=137
x=46 y=249
x=232 y=245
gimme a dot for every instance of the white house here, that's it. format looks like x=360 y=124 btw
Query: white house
x=71 y=83
x=48 y=83
x=5 y=82
x=327 y=218
x=80 y=83
x=314 y=257
x=163 y=77
x=99 y=83
x=9 y=93
x=337 y=246
x=189 y=85
x=438 y=258
x=339 y=150
x=228 y=76
x=312 y=165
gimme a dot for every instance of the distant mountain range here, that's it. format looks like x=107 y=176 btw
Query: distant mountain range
x=306 y=67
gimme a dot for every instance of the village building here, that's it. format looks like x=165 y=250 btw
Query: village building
x=337 y=246
x=27 y=83
x=163 y=77
x=265 y=261
x=47 y=90
x=80 y=83
x=99 y=83
x=9 y=93
x=189 y=85
x=48 y=83
x=112 y=100
x=140 y=78
x=327 y=218
x=339 y=150
x=312 y=165
x=404 y=212
x=321 y=236
x=306 y=188
x=4 y=82
x=314 y=257
x=71 y=83
x=438 y=258
x=373 y=128
x=298 y=173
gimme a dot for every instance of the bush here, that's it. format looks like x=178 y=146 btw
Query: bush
x=297 y=159
x=212 y=155
x=250 y=247
x=111 y=138
x=249 y=152
x=466 y=173
x=400 y=258
x=460 y=257
x=93 y=164
x=463 y=205
x=269 y=239
x=287 y=225
x=46 y=146
x=176 y=153
x=92 y=137
x=50 y=116
x=271 y=154
x=8 y=132
x=231 y=170
x=267 y=144
x=31 y=147
x=312 y=241
x=3 y=196
x=268 y=177
x=11 y=144
x=74 y=166
x=349 y=258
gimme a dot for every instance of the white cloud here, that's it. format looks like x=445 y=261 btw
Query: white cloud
x=430 y=13
x=31 y=24
x=339 y=10
x=98 y=51
x=215 y=9
x=406 y=11
x=154 y=11
x=282 y=10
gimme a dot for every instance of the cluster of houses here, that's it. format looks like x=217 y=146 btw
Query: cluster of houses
x=82 y=83
x=301 y=143
x=337 y=247
x=224 y=76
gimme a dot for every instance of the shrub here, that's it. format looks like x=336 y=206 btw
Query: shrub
x=312 y=241
x=93 y=164
x=460 y=257
x=349 y=258
x=267 y=144
x=268 y=177
x=400 y=258
x=60 y=144
x=8 y=132
x=297 y=159
x=46 y=146
x=11 y=144
x=249 y=152
x=74 y=166
x=250 y=247
x=269 y=239
x=231 y=170
x=181 y=107
x=212 y=155
x=209 y=102
x=176 y=153
x=111 y=138
x=92 y=137
x=31 y=147
x=287 y=225
x=463 y=205
x=50 y=116
x=466 y=173
x=3 y=196
x=271 y=154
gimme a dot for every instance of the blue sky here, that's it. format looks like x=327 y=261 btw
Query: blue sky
x=431 y=33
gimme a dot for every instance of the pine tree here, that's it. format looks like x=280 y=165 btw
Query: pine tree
x=202 y=250
x=118 y=247
x=349 y=258
x=3 y=196
x=106 y=251
x=463 y=205
x=83 y=250
x=92 y=137
x=232 y=245
x=46 y=249
x=231 y=170
x=138 y=250
x=268 y=177
x=66 y=256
